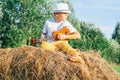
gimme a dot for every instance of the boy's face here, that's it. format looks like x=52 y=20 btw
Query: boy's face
x=61 y=15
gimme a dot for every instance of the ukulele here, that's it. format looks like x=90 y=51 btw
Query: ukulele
x=63 y=30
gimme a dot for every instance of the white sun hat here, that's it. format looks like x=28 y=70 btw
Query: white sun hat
x=61 y=7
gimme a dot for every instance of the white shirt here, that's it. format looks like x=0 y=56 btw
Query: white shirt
x=50 y=26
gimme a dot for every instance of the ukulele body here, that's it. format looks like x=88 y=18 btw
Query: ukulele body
x=63 y=30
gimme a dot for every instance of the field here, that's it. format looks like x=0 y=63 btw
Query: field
x=117 y=67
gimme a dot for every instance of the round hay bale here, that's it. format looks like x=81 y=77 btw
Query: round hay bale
x=33 y=63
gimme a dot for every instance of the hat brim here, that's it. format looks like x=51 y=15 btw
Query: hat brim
x=64 y=11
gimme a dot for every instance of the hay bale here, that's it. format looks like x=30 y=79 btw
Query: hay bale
x=32 y=63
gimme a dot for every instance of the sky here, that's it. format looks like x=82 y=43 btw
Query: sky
x=104 y=14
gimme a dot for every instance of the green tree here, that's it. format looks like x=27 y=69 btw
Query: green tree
x=23 y=19
x=0 y=21
x=114 y=54
x=0 y=9
x=116 y=34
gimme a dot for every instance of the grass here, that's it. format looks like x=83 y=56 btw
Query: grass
x=117 y=67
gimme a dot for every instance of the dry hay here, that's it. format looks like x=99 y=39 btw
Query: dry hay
x=32 y=63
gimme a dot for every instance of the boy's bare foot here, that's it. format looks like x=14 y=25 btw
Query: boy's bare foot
x=76 y=59
x=79 y=52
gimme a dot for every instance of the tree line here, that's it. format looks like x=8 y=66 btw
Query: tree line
x=22 y=19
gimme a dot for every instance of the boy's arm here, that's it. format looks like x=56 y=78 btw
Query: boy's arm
x=74 y=35
x=43 y=35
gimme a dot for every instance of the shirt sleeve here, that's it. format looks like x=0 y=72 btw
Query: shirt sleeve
x=45 y=28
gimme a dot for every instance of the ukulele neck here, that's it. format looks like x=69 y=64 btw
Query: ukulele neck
x=45 y=39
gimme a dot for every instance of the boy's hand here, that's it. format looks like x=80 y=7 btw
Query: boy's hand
x=61 y=36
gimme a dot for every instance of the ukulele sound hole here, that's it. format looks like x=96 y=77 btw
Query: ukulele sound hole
x=66 y=33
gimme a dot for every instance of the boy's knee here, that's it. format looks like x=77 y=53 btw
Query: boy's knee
x=48 y=46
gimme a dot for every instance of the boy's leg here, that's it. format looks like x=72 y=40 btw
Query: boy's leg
x=49 y=46
x=64 y=46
